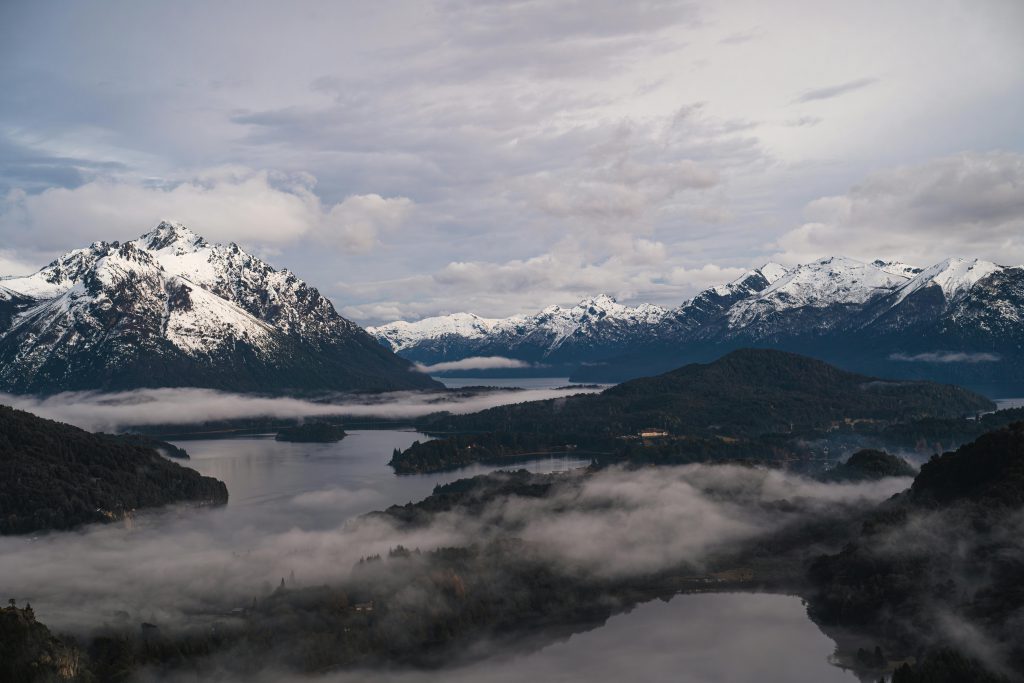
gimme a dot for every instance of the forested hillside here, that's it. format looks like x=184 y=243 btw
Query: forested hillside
x=55 y=476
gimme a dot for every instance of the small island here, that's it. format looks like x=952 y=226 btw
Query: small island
x=312 y=432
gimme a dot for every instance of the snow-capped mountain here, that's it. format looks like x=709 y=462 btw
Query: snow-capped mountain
x=170 y=309
x=958 y=320
x=591 y=326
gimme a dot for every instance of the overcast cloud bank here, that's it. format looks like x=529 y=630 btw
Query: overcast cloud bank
x=114 y=411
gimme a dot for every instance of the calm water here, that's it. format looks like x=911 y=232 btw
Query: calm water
x=700 y=638
x=519 y=382
x=287 y=516
x=1004 y=403
x=260 y=471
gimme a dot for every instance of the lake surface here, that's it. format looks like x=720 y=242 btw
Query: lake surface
x=506 y=382
x=1005 y=403
x=289 y=515
x=696 y=638
x=260 y=471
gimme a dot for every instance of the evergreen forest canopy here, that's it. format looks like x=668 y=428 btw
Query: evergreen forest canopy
x=55 y=476
x=865 y=570
x=743 y=405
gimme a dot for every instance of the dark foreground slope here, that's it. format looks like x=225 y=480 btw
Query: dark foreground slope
x=55 y=476
x=896 y=584
x=941 y=564
x=29 y=653
x=743 y=396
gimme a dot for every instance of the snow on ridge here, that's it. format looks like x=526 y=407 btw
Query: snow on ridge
x=897 y=267
x=825 y=282
x=556 y=322
x=241 y=288
x=834 y=279
x=402 y=334
x=211 y=322
x=772 y=271
x=953 y=276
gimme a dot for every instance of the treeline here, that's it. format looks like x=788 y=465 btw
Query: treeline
x=55 y=476
x=756 y=404
x=951 y=545
x=312 y=432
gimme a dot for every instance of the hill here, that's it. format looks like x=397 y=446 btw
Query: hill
x=955 y=321
x=746 y=394
x=940 y=560
x=55 y=476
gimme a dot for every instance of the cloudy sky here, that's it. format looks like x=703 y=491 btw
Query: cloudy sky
x=414 y=158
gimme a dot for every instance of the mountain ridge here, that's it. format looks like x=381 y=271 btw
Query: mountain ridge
x=171 y=309
x=957 y=320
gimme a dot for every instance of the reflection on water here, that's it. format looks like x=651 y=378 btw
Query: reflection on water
x=286 y=515
x=261 y=471
x=520 y=382
x=1005 y=403
x=700 y=638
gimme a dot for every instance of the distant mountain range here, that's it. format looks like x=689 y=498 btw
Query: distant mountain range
x=171 y=309
x=958 y=321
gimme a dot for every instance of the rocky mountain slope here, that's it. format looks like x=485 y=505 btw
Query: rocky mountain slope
x=958 y=320
x=171 y=309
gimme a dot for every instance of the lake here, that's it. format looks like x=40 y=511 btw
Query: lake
x=289 y=516
x=695 y=638
x=260 y=471
x=506 y=382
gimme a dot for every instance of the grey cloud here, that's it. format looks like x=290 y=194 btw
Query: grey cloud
x=967 y=204
x=193 y=562
x=114 y=411
x=947 y=357
x=476 y=363
x=830 y=91
x=804 y=122
x=740 y=38
x=499 y=121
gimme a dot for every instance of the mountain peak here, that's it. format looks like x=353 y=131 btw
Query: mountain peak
x=172 y=235
x=773 y=271
x=169 y=309
x=896 y=267
x=599 y=301
x=953 y=275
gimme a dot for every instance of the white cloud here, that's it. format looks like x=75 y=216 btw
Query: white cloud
x=11 y=264
x=946 y=357
x=229 y=203
x=357 y=221
x=96 y=411
x=971 y=204
x=629 y=269
x=475 y=363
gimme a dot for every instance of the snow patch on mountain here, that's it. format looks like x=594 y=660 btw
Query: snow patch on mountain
x=896 y=267
x=555 y=323
x=773 y=271
x=402 y=334
x=953 y=276
x=835 y=280
x=193 y=311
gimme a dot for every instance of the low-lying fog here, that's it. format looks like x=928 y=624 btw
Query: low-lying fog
x=710 y=638
x=114 y=411
x=293 y=507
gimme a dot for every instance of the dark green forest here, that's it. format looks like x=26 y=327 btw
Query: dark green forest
x=748 y=405
x=312 y=432
x=880 y=571
x=55 y=476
